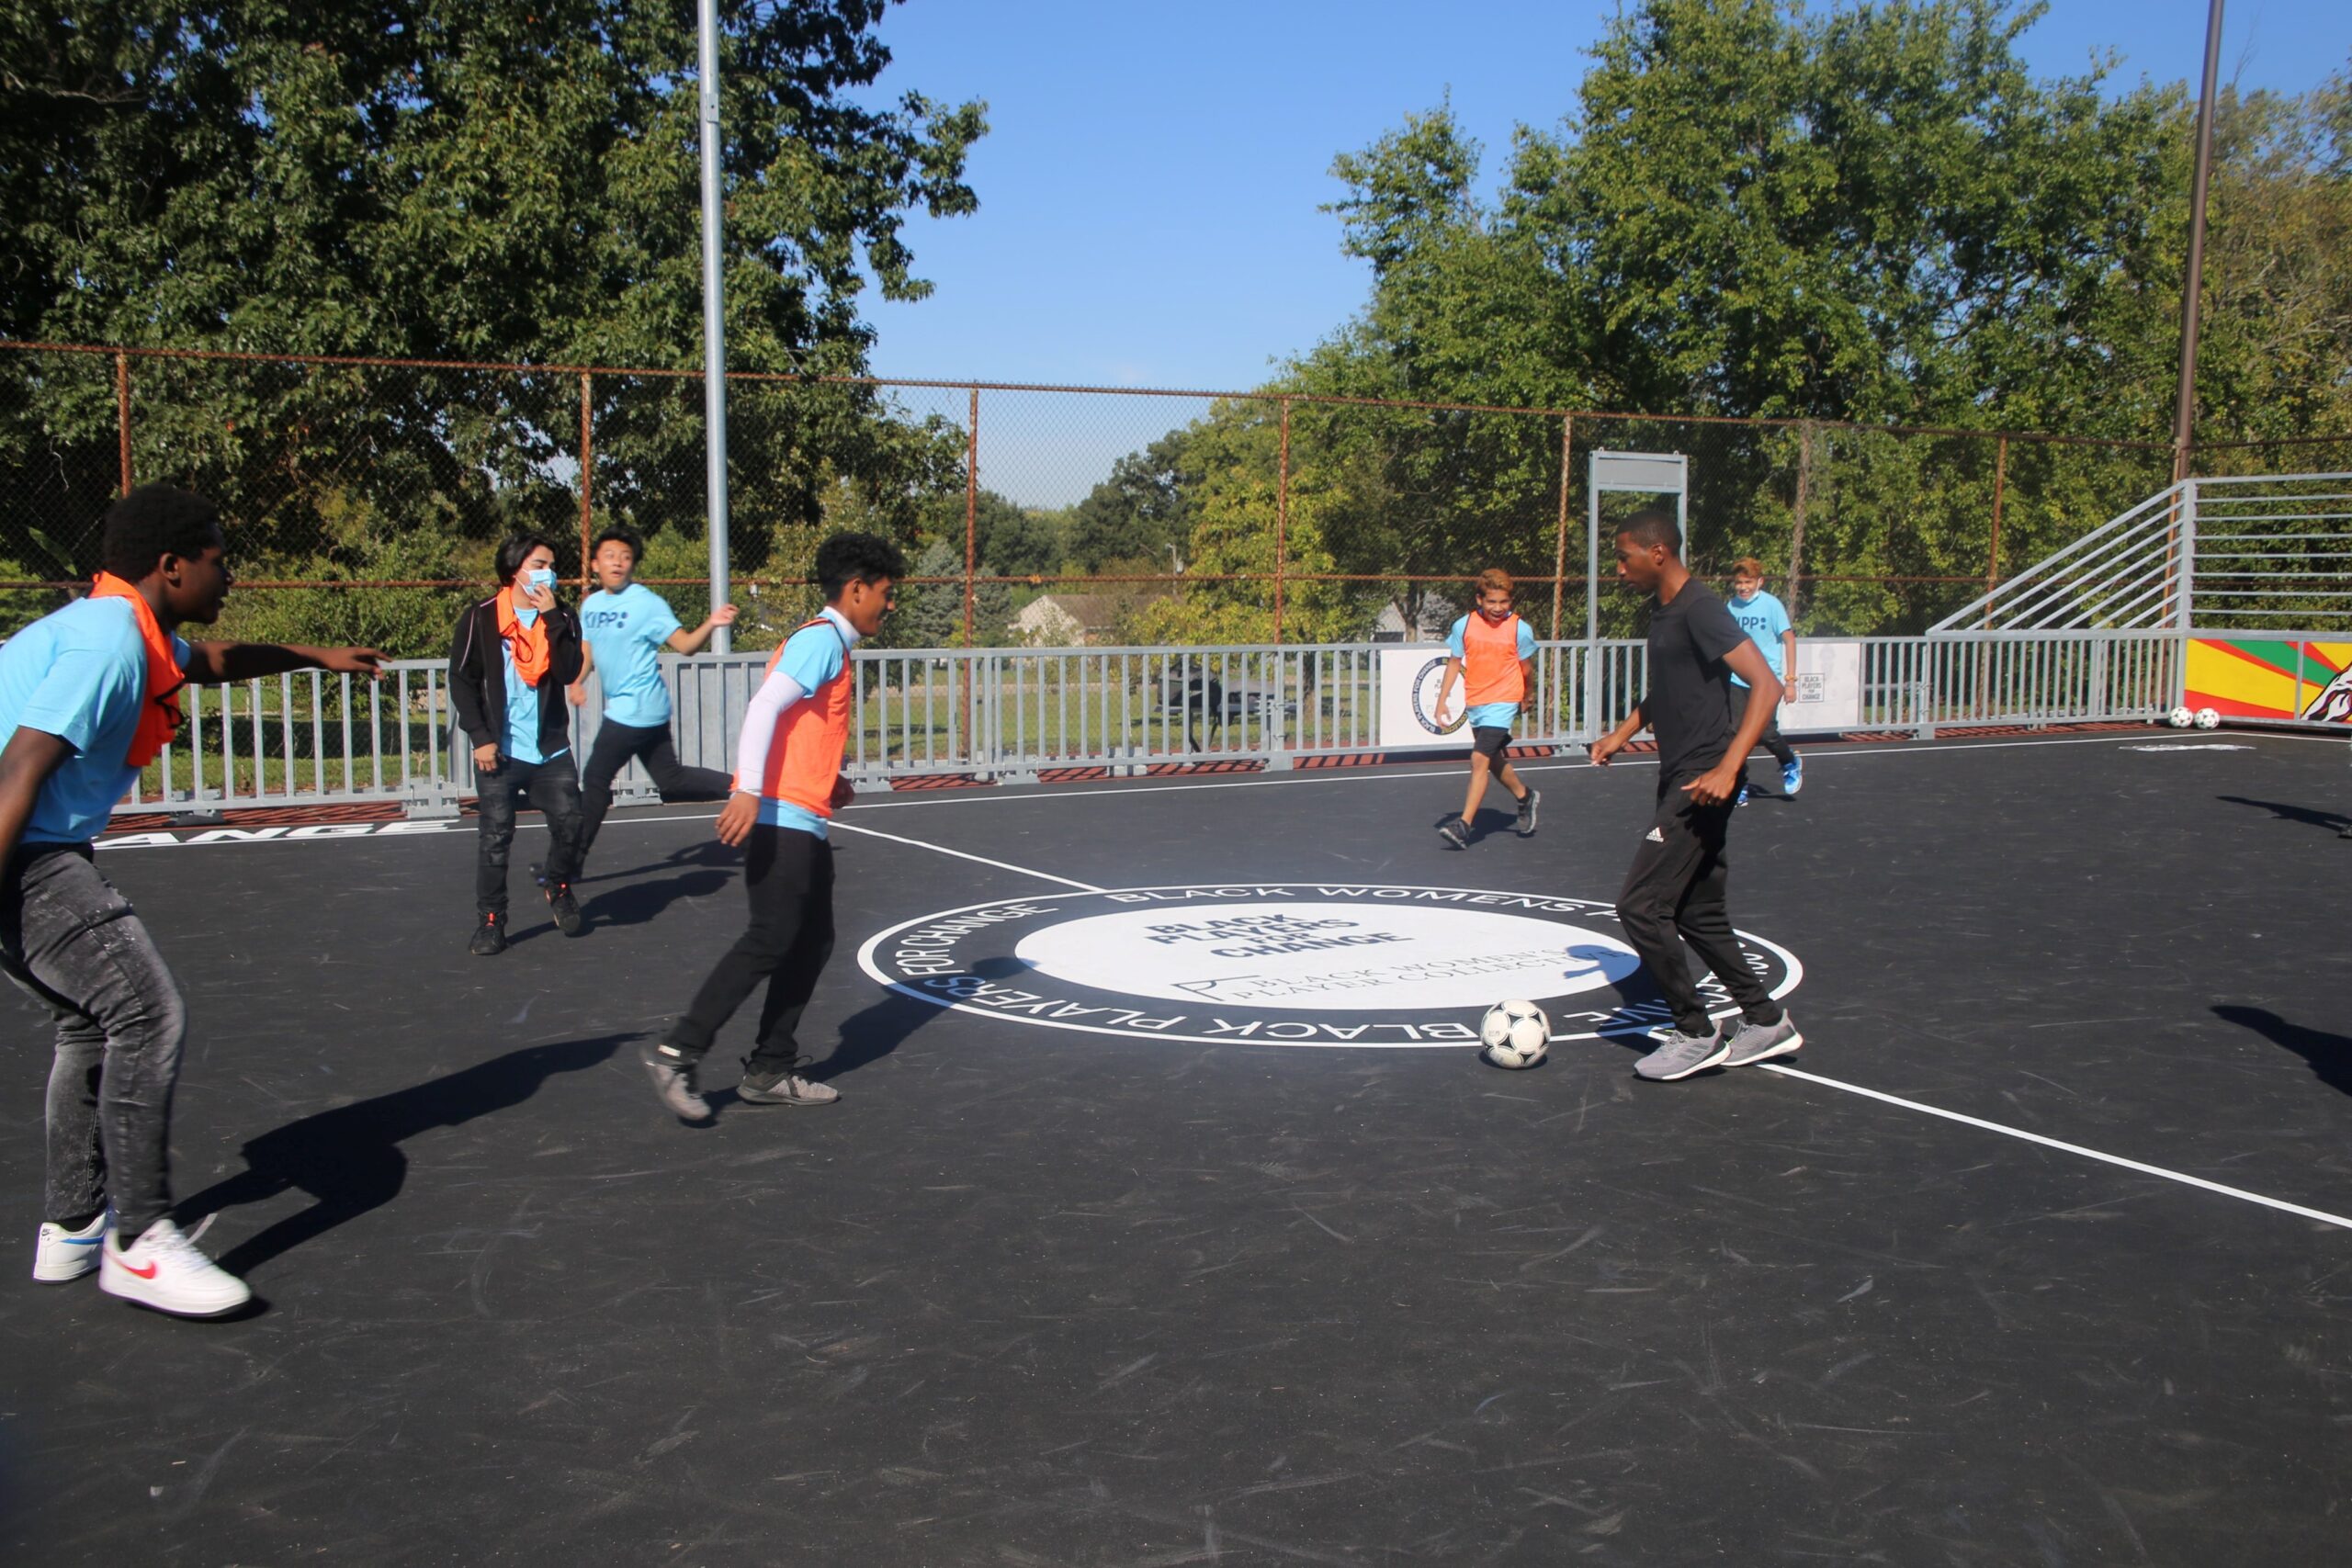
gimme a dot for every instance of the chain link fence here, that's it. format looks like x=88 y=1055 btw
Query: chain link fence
x=366 y=497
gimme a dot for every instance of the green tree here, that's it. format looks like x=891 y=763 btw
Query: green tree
x=1136 y=515
x=451 y=179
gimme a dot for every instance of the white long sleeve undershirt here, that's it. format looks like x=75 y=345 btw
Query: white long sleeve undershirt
x=776 y=693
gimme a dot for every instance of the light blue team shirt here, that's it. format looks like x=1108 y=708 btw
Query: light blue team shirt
x=1764 y=619
x=79 y=674
x=626 y=631
x=1489 y=715
x=522 y=704
x=812 y=656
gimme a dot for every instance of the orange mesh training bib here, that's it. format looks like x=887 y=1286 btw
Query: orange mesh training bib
x=1490 y=672
x=804 y=758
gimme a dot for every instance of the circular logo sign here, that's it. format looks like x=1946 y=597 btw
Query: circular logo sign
x=1428 y=684
x=1289 y=963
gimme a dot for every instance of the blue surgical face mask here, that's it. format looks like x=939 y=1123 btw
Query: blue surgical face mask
x=543 y=578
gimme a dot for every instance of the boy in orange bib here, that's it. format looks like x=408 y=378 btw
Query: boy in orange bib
x=1492 y=654
x=787 y=784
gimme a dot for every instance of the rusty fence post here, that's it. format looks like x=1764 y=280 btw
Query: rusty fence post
x=122 y=412
x=1796 y=526
x=587 y=466
x=1282 y=523
x=1993 y=557
x=1560 y=545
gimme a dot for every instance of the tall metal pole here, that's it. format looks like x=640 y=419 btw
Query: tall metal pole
x=714 y=324
x=2184 y=417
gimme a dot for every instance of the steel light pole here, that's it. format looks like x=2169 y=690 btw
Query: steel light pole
x=714 y=323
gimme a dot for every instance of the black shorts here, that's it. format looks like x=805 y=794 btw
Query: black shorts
x=1488 y=740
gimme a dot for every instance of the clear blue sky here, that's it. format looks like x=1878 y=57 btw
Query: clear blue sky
x=1150 y=184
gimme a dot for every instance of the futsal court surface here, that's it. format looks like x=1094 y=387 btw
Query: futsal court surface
x=2039 y=1252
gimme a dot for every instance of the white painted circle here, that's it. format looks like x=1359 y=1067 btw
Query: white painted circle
x=1086 y=962
x=1329 y=958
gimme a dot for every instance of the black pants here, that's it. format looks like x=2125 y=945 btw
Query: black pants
x=1782 y=752
x=788 y=876
x=1674 y=895
x=616 y=744
x=554 y=789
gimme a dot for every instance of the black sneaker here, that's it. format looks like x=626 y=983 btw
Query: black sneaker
x=490 y=935
x=784 y=1087
x=1526 y=826
x=566 y=909
x=674 y=1081
x=1455 y=831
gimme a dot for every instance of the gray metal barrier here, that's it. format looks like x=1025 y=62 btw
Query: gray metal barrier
x=1023 y=713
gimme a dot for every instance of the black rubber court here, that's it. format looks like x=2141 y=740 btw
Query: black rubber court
x=1061 y=1282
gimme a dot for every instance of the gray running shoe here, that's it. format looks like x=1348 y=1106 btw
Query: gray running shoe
x=674 y=1081
x=1455 y=831
x=1526 y=828
x=784 y=1088
x=1678 y=1054
x=1760 y=1042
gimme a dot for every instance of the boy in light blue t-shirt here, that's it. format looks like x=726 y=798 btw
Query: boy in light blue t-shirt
x=89 y=695
x=626 y=625
x=1766 y=621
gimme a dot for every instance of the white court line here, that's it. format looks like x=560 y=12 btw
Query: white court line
x=1395 y=772
x=1895 y=1100
x=2238 y=1192
x=959 y=854
x=1898 y=1100
x=1337 y=775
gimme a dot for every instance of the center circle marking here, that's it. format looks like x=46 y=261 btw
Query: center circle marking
x=1288 y=964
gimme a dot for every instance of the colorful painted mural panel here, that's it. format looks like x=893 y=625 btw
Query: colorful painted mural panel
x=2256 y=677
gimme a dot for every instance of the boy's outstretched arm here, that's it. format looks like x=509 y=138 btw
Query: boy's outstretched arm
x=211 y=664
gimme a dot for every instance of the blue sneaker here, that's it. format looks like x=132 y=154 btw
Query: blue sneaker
x=1793 y=775
x=1740 y=799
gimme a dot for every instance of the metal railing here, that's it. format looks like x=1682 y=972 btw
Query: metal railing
x=2204 y=555
x=1024 y=713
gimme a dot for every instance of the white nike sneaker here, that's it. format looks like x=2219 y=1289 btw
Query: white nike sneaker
x=62 y=1254
x=163 y=1270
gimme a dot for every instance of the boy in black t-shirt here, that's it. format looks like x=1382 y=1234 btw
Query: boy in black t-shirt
x=1674 y=893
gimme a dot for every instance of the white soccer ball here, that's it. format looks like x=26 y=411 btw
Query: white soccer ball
x=2182 y=718
x=1516 y=1035
x=2208 y=719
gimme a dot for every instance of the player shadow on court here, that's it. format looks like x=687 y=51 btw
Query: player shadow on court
x=704 y=868
x=2330 y=1056
x=349 y=1159
x=2333 y=821
x=873 y=1033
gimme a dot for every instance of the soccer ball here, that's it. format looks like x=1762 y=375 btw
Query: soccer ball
x=1516 y=1035
x=2208 y=719
x=2182 y=718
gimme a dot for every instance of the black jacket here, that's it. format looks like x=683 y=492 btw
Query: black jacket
x=477 y=677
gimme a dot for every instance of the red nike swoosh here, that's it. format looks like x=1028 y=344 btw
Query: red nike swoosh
x=146 y=1273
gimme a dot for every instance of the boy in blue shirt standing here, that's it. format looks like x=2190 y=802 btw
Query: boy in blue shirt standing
x=627 y=625
x=1766 y=621
x=89 y=695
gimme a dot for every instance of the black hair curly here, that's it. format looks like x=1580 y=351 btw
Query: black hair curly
x=153 y=522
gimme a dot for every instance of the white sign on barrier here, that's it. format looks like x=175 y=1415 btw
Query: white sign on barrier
x=1826 y=688
x=1409 y=691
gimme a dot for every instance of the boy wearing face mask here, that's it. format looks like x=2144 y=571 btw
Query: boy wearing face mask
x=509 y=663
